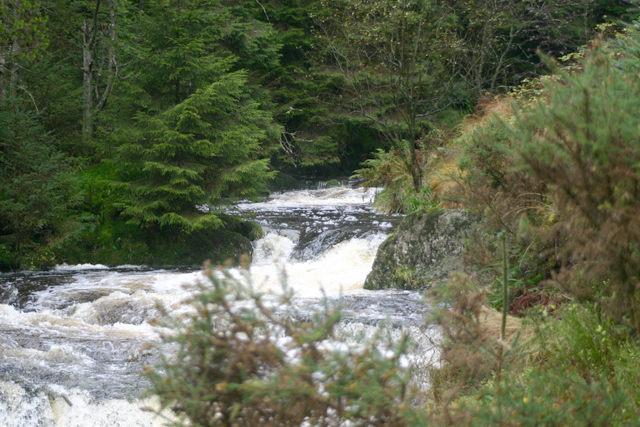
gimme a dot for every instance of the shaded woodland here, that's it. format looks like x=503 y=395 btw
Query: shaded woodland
x=120 y=118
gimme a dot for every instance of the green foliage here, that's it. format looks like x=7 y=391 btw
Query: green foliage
x=22 y=30
x=579 y=369
x=201 y=131
x=37 y=189
x=388 y=69
x=591 y=336
x=545 y=399
x=387 y=170
x=582 y=143
x=180 y=47
x=508 y=199
x=422 y=62
x=242 y=359
x=205 y=148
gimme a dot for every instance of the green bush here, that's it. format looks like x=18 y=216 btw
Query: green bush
x=544 y=399
x=582 y=340
x=579 y=370
x=582 y=143
x=387 y=170
x=241 y=359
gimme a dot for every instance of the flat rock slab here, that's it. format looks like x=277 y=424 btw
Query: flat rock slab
x=425 y=247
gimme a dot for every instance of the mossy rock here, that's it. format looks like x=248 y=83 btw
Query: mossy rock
x=332 y=183
x=425 y=247
x=118 y=243
x=216 y=246
x=249 y=229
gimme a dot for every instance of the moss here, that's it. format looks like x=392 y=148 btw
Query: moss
x=425 y=247
x=115 y=242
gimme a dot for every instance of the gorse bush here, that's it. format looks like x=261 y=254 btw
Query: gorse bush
x=577 y=370
x=509 y=199
x=244 y=360
x=583 y=143
x=543 y=399
x=582 y=341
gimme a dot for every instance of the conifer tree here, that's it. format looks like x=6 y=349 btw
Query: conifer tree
x=37 y=189
x=201 y=132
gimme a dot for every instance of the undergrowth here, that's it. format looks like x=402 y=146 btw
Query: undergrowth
x=557 y=174
x=242 y=359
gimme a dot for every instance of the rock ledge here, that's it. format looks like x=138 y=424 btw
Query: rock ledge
x=425 y=247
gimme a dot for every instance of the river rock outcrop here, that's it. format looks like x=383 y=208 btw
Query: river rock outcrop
x=425 y=247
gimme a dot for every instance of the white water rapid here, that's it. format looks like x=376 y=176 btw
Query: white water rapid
x=73 y=340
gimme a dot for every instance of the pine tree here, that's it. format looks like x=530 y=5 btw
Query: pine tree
x=201 y=132
x=37 y=188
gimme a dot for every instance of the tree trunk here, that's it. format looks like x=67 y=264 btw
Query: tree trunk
x=87 y=77
x=112 y=64
x=89 y=38
x=15 y=52
x=3 y=72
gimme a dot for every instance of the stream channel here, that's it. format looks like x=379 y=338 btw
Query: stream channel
x=73 y=340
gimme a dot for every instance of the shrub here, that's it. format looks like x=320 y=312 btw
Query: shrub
x=576 y=371
x=583 y=142
x=241 y=359
x=387 y=170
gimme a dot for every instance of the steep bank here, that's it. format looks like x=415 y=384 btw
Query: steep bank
x=115 y=243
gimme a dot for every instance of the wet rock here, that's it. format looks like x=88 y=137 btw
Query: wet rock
x=425 y=247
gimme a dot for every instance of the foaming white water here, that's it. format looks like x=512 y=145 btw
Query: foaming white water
x=56 y=324
x=60 y=408
x=88 y=286
x=72 y=347
x=326 y=198
x=272 y=249
x=340 y=270
x=67 y=267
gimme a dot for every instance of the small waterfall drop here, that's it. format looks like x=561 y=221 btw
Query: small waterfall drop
x=73 y=340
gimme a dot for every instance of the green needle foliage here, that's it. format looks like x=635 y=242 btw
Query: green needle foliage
x=241 y=359
x=200 y=131
x=36 y=189
x=208 y=147
x=583 y=143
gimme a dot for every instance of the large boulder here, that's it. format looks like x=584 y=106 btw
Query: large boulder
x=425 y=247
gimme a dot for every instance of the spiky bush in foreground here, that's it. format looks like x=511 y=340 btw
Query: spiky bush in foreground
x=244 y=360
x=583 y=144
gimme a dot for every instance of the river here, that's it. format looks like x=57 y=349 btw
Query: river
x=73 y=340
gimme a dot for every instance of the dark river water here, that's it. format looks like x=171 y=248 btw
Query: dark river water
x=73 y=340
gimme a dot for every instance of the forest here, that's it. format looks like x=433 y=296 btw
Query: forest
x=126 y=127
x=121 y=119
x=543 y=333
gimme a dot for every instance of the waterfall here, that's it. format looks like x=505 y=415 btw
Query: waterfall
x=73 y=340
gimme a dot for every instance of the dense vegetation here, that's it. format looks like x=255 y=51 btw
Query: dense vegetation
x=552 y=167
x=119 y=117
